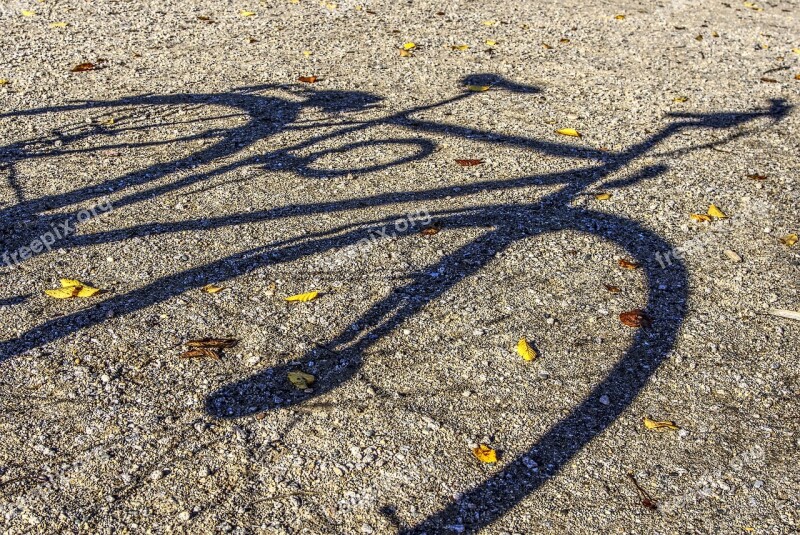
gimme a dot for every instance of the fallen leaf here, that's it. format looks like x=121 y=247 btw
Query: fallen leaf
x=716 y=212
x=58 y=24
x=627 y=264
x=568 y=132
x=769 y=80
x=788 y=314
x=212 y=288
x=478 y=88
x=485 y=454
x=698 y=38
x=301 y=380
x=72 y=288
x=700 y=217
x=612 y=289
x=28 y=13
x=307 y=53
x=546 y=46
x=753 y=6
x=430 y=230
x=619 y=17
x=797 y=76
x=636 y=318
x=525 y=350
x=409 y=46
x=4 y=82
x=460 y=47
x=664 y=424
x=405 y=53
x=244 y=13
x=468 y=163
x=489 y=42
x=490 y=22
x=796 y=51
x=757 y=177
x=212 y=343
x=789 y=239
x=302 y=298
x=83 y=67
x=563 y=40
x=307 y=79
x=680 y=99
x=602 y=196
x=201 y=352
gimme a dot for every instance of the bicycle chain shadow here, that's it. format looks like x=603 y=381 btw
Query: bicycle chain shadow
x=484 y=504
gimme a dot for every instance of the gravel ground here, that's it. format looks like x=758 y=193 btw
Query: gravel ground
x=191 y=154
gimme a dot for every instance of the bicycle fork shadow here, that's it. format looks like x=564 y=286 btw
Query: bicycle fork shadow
x=487 y=502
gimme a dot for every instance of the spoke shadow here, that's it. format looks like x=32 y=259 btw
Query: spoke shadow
x=479 y=507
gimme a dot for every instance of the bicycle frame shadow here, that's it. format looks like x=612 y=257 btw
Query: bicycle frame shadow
x=479 y=507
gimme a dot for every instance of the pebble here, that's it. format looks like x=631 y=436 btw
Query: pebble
x=184 y=516
x=732 y=256
x=155 y=475
x=605 y=400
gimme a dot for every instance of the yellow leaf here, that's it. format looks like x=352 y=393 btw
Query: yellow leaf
x=568 y=132
x=680 y=99
x=789 y=239
x=301 y=380
x=602 y=196
x=797 y=76
x=478 y=88
x=331 y=6
x=308 y=296
x=753 y=6
x=58 y=24
x=490 y=22
x=796 y=51
x=489 y=42
x=72 y=288
x=700 y=217
x=665 y=424
x=212 y=288
x=28 y=13
x=525 y=350
x=4 y=82
x=460 y=47
x=485 y=454
x=244 y=13
x=405 y=53
x=619 y=17
x=409 y=46
x=307 y=53
x=716 y=212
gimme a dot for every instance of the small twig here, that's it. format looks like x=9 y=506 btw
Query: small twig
x=647 y=500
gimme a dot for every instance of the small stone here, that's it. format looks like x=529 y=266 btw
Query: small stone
x=184 y=516
x=105 y=378
x=605 y=400
x=155 y=475
x=406 y=331
x=732 y=256
x=366 y=528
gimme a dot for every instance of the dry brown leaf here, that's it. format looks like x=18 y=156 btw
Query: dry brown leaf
x=200 y=352
x=757 y=177
x=307 y=79
x=636 y=318
x=789 y=240
x=430 y=230
x=478 y=88
x=212 y=288
x=602 y=196
x=83 y=67
x=627 y=264
x=612 y=289
x=468 y=163
x=700 y=217
x=769 y=80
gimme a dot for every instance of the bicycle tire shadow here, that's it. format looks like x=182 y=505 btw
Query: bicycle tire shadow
x=482 y=505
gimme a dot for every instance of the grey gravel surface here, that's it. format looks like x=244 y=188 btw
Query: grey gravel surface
x=219 y=166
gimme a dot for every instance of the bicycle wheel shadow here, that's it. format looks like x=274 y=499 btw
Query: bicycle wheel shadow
x=484 y=504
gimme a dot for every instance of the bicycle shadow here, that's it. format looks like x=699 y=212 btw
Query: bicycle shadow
x=667 y=289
